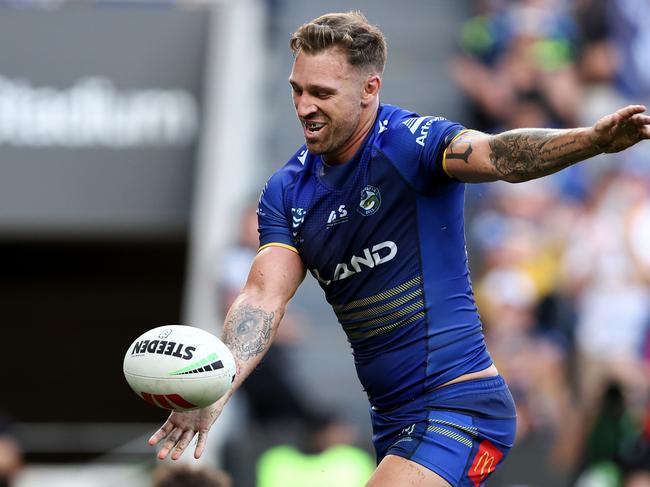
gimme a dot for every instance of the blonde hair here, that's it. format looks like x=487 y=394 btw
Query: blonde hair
x=364 y=44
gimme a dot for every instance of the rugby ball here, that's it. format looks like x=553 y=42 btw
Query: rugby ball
x=179 y=367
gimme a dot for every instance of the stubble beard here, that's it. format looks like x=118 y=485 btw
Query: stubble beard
x=338 y=138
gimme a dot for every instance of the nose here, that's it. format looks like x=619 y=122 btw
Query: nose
x=304 y=105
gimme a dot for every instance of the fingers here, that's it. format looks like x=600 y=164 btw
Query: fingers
x=169 y=443
x=184 y=440
x=640 y=120
x=630 y=110
x=629 y=117
x=164 y=430
x=200 y=444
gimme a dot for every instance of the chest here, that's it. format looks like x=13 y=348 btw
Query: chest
x=340 y=232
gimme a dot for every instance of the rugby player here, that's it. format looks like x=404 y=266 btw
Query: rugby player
x=372 y=207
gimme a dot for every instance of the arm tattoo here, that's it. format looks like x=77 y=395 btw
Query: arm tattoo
x=247 y=331
x=524 y=154
x=460 y=148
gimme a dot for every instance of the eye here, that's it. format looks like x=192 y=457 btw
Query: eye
x=244 y=327
x=323 y=96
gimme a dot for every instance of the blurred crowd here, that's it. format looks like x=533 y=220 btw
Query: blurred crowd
x=562 y=265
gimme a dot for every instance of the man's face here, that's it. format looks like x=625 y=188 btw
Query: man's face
x=327 y=94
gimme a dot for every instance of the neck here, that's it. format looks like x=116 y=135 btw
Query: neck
x=366 y=123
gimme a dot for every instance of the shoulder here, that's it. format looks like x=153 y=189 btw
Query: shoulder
x=406 y=131
x=285 y=177
x=292 y=169
x=415 y=145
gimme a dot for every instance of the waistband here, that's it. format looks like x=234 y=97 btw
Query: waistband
x=474 y=385
x=458 y=389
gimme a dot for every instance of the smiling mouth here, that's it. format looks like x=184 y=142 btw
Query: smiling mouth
x=312 y=127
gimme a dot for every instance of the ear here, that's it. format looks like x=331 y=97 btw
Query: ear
x=371 y=88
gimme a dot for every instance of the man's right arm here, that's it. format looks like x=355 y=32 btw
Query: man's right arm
x=253 y=318
x=249 y=328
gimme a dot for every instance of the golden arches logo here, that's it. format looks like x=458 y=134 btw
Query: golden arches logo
x=485 y=463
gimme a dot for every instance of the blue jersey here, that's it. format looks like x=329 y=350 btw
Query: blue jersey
x=384 y=236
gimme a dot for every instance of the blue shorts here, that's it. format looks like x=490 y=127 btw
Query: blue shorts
x=462 y=431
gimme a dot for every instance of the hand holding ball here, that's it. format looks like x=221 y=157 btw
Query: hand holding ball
x=179 y=367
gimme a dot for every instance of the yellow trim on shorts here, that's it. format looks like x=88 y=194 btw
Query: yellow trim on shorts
x=277 y=244
x=444 y=154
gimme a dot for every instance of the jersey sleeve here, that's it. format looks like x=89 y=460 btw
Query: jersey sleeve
x=433 y=154
x=273 y=225
x=416 y=146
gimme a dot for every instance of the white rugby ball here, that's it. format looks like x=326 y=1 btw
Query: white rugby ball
x=179 y=367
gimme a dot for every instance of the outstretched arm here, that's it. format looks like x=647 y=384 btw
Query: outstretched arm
x=249 y=328
x=524 y=154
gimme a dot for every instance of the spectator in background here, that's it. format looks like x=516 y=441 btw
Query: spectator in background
x=189 y=476
x=612 y=57
x=525 y=228
x=617 y=453
x=606 y=278
x=596 y=58
x=534 y=365
x=516 y=66
x=609 y=286
x=630 y=37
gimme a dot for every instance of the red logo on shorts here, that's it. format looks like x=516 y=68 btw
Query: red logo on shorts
x=485 y=462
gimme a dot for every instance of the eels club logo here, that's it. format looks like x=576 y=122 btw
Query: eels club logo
x=370 y=200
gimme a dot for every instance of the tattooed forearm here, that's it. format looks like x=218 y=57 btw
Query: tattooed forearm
x=247 y=331
x=520 y=155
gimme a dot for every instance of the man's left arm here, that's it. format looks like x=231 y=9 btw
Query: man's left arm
x=524 y=154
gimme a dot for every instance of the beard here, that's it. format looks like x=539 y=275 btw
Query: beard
x=335 y=138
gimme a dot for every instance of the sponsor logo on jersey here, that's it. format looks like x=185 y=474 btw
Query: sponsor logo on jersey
x=408 y=430
x=377 y=255
x=424 y=133
x=340 y=215
x=297 y=219
x=383 y=126
x=370 y=200
x=302 y=156
x=414 y=123
x=163 y=347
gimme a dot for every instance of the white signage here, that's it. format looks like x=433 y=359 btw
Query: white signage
x=93 y=112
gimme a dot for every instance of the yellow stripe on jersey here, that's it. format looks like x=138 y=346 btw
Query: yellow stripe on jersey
x=277 y=244
x=387 y=328
x=367 y=313
x=418 y=305
x=444 y=154
x=377 y=297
